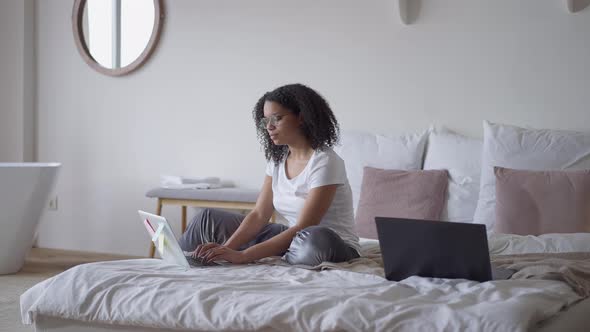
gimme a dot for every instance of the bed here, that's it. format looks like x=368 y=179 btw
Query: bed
x=548 y=293
x=142 y=294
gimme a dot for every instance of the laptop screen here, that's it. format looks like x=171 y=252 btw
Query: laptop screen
x=433 y=249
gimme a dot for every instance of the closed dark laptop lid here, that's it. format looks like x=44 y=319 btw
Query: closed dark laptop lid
x=433 y=249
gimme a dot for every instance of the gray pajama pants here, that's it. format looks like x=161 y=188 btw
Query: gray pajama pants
x=311 y=246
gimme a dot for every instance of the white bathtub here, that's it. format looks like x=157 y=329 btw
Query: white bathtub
x=24 y=192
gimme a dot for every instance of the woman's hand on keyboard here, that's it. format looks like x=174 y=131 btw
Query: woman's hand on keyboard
x=210 y=252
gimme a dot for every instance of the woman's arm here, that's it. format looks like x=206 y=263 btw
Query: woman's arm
x=317 y=203
x=256 y=219
x=251 y=225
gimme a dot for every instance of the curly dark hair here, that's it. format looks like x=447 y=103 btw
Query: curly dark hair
x=319 y=123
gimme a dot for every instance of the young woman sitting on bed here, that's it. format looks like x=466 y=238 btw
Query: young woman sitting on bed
x=305 y=183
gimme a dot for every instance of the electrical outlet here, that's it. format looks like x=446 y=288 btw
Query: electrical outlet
x=53 y=203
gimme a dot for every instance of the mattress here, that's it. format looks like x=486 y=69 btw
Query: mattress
x=150 y=294
x=574 y=318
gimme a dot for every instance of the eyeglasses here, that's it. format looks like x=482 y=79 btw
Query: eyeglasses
x=273 y=120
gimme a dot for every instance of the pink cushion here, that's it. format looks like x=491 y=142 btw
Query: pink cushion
x=539 y=202
x=401 y=194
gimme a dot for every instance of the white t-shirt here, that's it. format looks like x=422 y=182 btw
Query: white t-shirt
x=323 y=168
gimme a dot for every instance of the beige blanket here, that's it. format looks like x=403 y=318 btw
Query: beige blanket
x=572 y=268
x=370 y=262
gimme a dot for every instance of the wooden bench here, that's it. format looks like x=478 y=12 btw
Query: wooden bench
x=240 y=199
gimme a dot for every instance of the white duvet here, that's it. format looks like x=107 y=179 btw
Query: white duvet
x=151 y=293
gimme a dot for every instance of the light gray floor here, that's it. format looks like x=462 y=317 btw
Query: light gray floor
x=11 y=287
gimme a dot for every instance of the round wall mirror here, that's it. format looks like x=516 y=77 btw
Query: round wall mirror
x=115 y=37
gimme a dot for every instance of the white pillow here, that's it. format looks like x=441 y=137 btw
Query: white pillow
x=510 y=244
x=359 y=149
x=529 y=149
x=461 y=156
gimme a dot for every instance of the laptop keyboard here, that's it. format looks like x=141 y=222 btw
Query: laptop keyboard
x=198 y=261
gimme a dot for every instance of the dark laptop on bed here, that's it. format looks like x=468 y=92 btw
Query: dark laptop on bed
x=435 y=249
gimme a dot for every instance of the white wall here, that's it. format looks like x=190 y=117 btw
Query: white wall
x=17 y=82
x=187 y=111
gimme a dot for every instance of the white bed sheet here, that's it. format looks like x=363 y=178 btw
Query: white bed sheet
x=150 y=293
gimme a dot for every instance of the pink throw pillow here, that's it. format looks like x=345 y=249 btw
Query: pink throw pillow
x=400 y=194
x=540 y=202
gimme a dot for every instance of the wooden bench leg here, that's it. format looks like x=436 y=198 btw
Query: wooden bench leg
x=158 y=212
x=183 y=218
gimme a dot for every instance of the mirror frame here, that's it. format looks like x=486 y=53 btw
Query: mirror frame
x=77 y=18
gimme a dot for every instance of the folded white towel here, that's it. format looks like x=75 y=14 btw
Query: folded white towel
x=210 y=179
x=182 y=182
x=192 y=186
x=166 y=180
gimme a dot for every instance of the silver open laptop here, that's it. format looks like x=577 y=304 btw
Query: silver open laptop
x=166 y=243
